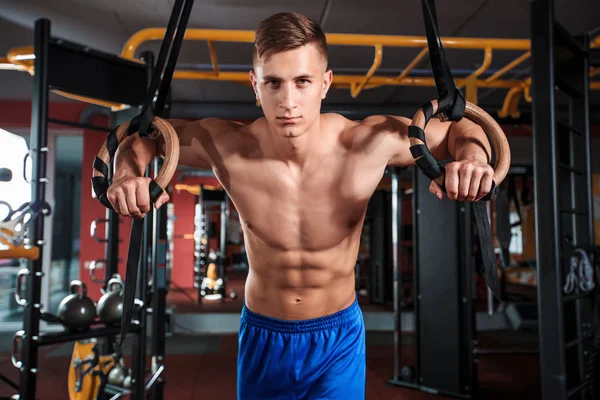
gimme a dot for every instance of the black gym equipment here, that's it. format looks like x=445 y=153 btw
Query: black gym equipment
x=443 y=307
x=67 y=66
x=560 y=66
x=568 y=323
x=379 y=222
x=443 y=296
x=77 y=311
x=110 y=305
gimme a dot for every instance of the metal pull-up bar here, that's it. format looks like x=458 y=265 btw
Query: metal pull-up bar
x=22 y=58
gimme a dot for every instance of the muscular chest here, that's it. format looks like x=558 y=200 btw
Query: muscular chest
x=311 y=209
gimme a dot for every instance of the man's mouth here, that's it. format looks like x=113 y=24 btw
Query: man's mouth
x=288 y=120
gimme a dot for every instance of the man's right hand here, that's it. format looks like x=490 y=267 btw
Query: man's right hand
x=130 y=196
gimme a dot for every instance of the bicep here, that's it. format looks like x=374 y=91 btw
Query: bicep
x=194 y=137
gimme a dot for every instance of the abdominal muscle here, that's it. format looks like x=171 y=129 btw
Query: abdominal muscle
x=299 y=284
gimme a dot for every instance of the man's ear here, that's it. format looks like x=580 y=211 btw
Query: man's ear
x=254 y=82
x=327 y=80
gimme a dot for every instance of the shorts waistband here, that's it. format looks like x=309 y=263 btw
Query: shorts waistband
x=347 y=315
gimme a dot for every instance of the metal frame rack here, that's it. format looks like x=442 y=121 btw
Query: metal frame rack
x=561 y=69
x=563 y=200
x=67 y=67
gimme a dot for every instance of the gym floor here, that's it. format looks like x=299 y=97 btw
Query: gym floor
x=204 y=366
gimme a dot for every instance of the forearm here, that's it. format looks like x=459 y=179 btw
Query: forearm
x=134 y=155
x=468 y=141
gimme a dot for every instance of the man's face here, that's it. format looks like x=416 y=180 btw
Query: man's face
x=290 y=86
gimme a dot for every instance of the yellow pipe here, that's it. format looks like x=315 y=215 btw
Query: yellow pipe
x=195 y=189
x=5 y=64
x=527 y=94
x=22 y=58
x=471 y=92
x=487 y=60
x=421 y=41
x=356 y=88
x=510 y=102
x=213 y=57
x=344 y=39
x=31 y=253
x=103 y=103
x=509 y=66
x=413 y=63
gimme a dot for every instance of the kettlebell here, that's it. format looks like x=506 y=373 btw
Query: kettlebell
x=77 y=311
x=127 y=382
x=110 y=305
x=117 y=374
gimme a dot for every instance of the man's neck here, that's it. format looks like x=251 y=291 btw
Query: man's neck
x=298 y=150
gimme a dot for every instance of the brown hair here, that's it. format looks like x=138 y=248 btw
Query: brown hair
x=287 y=31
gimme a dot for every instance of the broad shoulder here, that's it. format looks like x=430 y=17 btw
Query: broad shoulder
x=218 y=126
x=220 y=136
x=372 y=130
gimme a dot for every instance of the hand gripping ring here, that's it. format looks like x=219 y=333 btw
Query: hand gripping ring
x=432 y=168
x=104 y=157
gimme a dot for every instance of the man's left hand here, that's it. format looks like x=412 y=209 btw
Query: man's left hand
x=466 y=180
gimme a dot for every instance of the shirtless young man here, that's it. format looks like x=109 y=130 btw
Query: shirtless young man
x=300 y=181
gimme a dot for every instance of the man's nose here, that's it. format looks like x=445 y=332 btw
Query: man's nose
x=288 y=100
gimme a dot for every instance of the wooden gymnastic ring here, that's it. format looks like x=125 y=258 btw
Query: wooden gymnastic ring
x=491 y=128
x=159 y=127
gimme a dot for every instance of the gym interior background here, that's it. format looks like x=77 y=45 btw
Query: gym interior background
x=497 y=352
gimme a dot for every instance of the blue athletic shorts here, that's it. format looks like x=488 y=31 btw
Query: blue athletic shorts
x=321 y=358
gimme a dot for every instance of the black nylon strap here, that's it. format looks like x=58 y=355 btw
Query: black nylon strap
x=133 y=259
x=162 y=55
x=170 y=68
x=449 y=101
x=451 y=104
x=112 y=144
x=487 y=247
x=428 y=111
x=416 y=132
x=426 y=162
x=155 y=191
x=100 y=166
x=100 y=184
x=142 y=124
